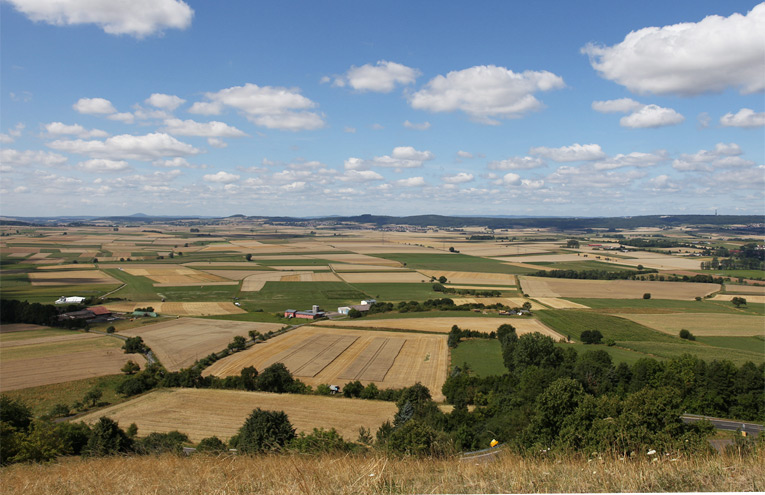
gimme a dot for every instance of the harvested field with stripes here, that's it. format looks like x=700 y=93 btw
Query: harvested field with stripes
x=444 y=324
x=179 y=308
x=613 y=289
x=320 y=354
x=72 y=277
x=201 y=413
x=178 y=343
x=174 y=275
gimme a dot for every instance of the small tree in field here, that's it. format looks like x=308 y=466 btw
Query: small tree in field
x=685 y=334
x=738 y=301
x=647 y=295
x=131 y=368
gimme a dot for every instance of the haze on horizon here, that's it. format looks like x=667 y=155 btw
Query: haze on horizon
x=341 y=108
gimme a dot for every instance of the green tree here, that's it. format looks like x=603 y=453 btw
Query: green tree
x=134 y=345
x=354 y=313
x=353 y=389
x=160 y=443
x=107 y=438
x=263 y=431
x=572 y=243
x=685 y=334
x=239 y=343
x=131 y=368
x=738 y=301
x=647 y=295
x=320 y=441
x=442 y=279
x=591 y=337
x=249 y=378
x=15 y=413
x=420 y=439
x=92 y=396
x=276 y=378
x=110 y=329
x=557 y=402
x=43 y=443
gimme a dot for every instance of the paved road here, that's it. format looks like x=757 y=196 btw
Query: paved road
x=752 y=429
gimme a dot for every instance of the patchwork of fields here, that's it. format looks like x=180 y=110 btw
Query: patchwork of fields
x=190 y=274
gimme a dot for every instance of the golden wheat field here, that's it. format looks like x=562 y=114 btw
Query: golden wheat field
x=201 y=413
x=321 y=354
x=43 y=360
x=754 y=298
x=71 y=277
x=178 y=308
x=378 y=474
x=613 y=289
x=557 y=303
x=178 y=343
x=703 y=324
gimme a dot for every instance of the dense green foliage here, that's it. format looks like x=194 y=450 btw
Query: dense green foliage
x=263 y=431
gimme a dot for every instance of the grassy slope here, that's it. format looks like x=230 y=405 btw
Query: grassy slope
x=278 y=296
x=41 y=399
x=454 y=262
x=484 y=356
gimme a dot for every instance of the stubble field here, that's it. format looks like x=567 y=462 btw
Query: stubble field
x=203 y=413
x=319 y=354
x=613 y=289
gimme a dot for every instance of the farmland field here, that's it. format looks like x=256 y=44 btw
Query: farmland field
x=720 y=325
x=472 y=278
x=422 y=357
x=71 y=277
x=204 y=413
x=178 y=343
x=278 y=296
x=178 y=308
x=444 y=325
x=483 y=356
x=613 y=289
x=57 y=358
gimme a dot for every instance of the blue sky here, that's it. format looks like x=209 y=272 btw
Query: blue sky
x=311 y=108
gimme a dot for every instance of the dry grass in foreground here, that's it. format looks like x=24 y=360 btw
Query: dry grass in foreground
x=331 y=474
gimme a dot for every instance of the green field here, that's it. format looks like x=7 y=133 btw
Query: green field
x=708 y=353
x=574 y=322
x=136 y=288
x=659 y=306
x=201 y=293
x=400 y=291
x=749 y=344
x=47 y=294
x=34 y=334
x=483 y=356
x=583 y=265
x=41 y=399
x=757 y=274
x=455 y=262
x=618 y=354
x=278 y=296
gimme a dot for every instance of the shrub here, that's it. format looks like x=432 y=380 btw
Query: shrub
x=353 y=389
x=738 y=301
x=320 y=441
x=107 y=438
x=161 y=443
x=111 y=329
x=417 y=438
x=685 y=334
x=211 y=445
x=354 y=313
x=647 y=295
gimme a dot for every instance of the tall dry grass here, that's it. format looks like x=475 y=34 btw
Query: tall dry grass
x=333 y=474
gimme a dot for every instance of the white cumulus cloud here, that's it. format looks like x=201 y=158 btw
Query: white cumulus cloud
x=98 y=165
x=29 y=157
x=486 y=92
x=402 y=157
x=574 y=153
x=517 y=163
x=651 y=116
x=94 y=106
x=180 y=127
x=221 y=177
x=59 y=129
x=622 y=105
x=411 y=182
x=746 y=117
x=148 y=147
x=634 y=159
x=459 y=178
x=266 y=106
x=688 y=58
x=138 y=18
x=380 y=78
x=165 y=102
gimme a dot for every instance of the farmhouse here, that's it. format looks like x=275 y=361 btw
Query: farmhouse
x=311 y=314
x=70 y=300
x=344 y=310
